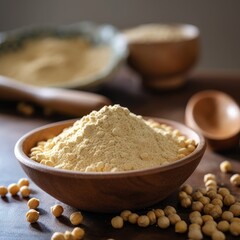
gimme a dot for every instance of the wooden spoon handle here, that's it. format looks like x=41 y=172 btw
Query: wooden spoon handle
x=70 y=102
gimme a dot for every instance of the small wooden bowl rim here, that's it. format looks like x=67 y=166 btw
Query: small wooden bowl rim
x=24 y=159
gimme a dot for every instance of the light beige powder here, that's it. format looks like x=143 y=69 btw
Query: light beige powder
x=112 y=139
x=51 y=61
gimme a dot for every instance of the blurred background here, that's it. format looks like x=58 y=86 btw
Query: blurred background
x=218 y=21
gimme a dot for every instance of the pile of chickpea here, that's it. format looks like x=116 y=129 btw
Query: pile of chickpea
x=214 y=211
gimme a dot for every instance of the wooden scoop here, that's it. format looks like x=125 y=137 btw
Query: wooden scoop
x=70 y=102
x=217 y=116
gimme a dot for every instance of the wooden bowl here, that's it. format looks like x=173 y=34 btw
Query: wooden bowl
x=163 y=63
x=107 y=192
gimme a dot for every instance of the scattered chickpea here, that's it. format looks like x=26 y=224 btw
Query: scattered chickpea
x=163 y=222
x=235 y=209
x=174 y=218
x=25 y=191
x=125 y=214
x=235 y=179
x=33 y=203
x=218 y=196
x=195 y=234
x=209 y=228
x=203 y=190
x=210 y=182
x=132 y=218
x=117 y=222
x=57 y=210
x=205 y=218
x=32 y=215
x=217 y=201
x=143 y=221
x=23 y=182
x=197 y=206
x=234 y=228
x=212 y=194
x=76 y=218
x=68 y=235
x=216 y=211
x=235 y=219
x=217 y=235
x=204 y=200
x=194 y=214
x=78 y=233
x=181 y=227
x=152 y=217
x=197 y=220
x=229 y=200
x=223 y=226
x=225 y=167
x=169 y=210
x=223 y=191
x=13 y=189
x=207 y=208
x=209 y=176
x=159 y=212
x=227 y=215
x=58 y=236
x=186 y=202
x=187 y=189
x=3 y=191
x=196 y=195
x=182 y=195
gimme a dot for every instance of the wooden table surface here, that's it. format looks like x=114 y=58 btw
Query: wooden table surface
x=124 y=89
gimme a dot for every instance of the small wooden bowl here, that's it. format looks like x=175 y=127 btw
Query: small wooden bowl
x=107 y=192
x=163 y=63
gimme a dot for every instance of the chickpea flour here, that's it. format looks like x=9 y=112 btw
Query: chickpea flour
x=113 y=139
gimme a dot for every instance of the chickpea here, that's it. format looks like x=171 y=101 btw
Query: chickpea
x=234 y=228
x=235 y=179
x=227 y=215
x=209 y=228
x=205 y=218
x=211 y=188
x=57 y=210
x=197 y=206
x=225 y=167
x=3 y=191
x=169 y=210
x=23 y=182
x=143 y=221
x=76 y=218
x=235 y=209
x=223 y=226
x=117 y=222
x=68 y=235
x=218 y=196
x=125 y=214
x=196 y=195
x=187 y=189
x=159 y=212
x=25 y=191
x=181 y=227
x=209 y=176
x=217 y=235
x=33 y=203
x=163 y=222
x=58 y=236
x=13 y=189
x=212 y=194
x=195 y=234
x=133 y=217
x=207 y=208
x=32 y=215
x=194 y=226
x=203 y=191
x=217 y=201
x=223 y=191
x=194 y=214
x=174 y=218
x=235 y=219
x=204 y=200
x=216 y=211
x=229 y=200
x=182 y=195
x=152 y=217
x=78 y=233
x=210 y=182
x=186 y=202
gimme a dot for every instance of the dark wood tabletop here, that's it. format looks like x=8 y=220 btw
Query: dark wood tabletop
x=125 y=89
